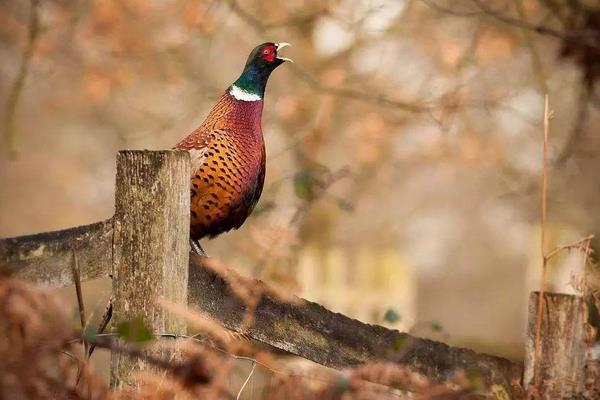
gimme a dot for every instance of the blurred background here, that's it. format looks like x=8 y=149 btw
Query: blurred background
x=404 y=145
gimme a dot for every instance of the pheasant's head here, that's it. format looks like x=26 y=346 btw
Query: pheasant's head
x=266 y=55
x=262 y=61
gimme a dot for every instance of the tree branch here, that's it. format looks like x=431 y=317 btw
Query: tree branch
x=262 y=27
x=579 y=125
x=588 y=37
x=17 y=86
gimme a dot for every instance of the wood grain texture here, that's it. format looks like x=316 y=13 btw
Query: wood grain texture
x=46 y=258
x=563 y=346
x=311 y=331
x=151 y=244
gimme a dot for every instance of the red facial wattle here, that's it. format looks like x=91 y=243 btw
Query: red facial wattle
x=268 y=53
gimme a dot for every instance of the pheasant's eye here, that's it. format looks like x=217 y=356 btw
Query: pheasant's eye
x=266 y=51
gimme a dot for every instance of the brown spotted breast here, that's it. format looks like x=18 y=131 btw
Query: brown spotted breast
x=228 y=166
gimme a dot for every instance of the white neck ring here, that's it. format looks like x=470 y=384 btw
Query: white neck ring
x=241 y=94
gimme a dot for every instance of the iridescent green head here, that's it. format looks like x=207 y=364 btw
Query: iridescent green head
x=262 y=61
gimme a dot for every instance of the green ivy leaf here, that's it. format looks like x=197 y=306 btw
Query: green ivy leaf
x=342 y=383
x=90 y=332
x=345 y=205
x=436 y=326
x=475 y=379
x=308 y=180
x=399 y=343
x=134 y=331
x=304 y=185
x=391 y=316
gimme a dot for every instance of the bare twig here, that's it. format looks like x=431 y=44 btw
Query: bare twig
x=246 y=381
x=77 y=280
x=544 y=200
x=106 y=317
x=582 y=244
x=17 y=86
x=569 y=149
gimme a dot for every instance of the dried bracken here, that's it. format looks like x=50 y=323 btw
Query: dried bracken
x=41 y=357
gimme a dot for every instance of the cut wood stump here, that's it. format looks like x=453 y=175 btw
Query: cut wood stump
x=563 y=352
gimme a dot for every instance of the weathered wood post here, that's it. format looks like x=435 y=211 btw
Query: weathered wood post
x=150 y=245
x=563 y=351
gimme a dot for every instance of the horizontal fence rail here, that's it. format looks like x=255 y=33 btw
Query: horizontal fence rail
x=47 y=258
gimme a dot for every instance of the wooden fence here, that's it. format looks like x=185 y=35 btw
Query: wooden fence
x=145 y=249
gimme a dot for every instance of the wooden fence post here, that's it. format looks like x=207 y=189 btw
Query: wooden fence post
x=150 y=245
x=563 y=351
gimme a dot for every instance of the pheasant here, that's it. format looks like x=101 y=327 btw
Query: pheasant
x=227 y=151
x=228 y=155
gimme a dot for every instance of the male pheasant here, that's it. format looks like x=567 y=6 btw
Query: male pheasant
x=228 y=153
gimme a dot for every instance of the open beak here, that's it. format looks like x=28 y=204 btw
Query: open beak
x=280 y=46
